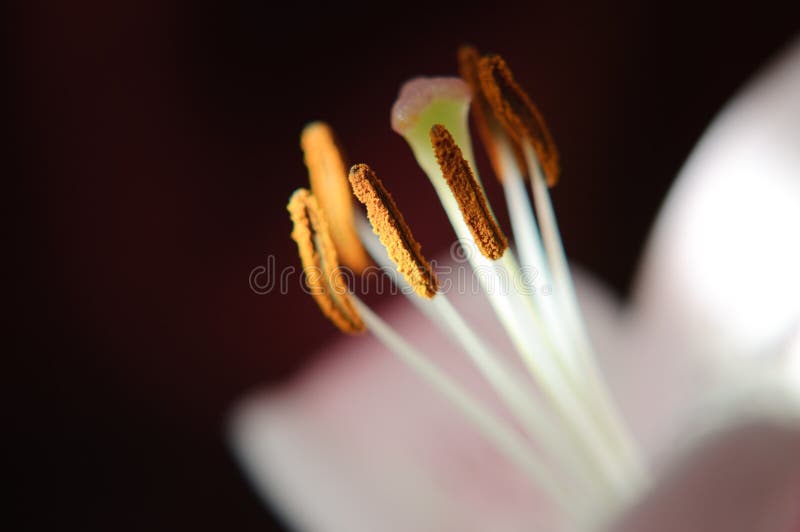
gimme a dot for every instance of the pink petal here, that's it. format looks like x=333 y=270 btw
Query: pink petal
x=745 y=479
x=358 y=443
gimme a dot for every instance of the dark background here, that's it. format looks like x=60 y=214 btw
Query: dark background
x=155 y=144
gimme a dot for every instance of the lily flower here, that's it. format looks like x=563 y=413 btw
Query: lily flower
x=539 y=401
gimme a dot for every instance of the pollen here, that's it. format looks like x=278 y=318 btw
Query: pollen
x=468 y=194
x=323 y=276
x=487 y=125
x=390 y=226
x=515 y=110
x=328 y=177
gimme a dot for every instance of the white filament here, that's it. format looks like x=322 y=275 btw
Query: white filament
x=611 y=421
x=505 y=439
x=527 y=408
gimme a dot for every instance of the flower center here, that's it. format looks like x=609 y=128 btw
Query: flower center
x=584 y=457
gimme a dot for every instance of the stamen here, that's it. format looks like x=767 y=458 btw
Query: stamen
x=523 y=122
x=390 y=226
x=469 y=194
x=323 y=275
x=508 y=161
x=488 y=127
x=515 y=110
x=517 y=315
x=328 y=176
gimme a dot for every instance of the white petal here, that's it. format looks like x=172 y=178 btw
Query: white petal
x=359 y=444
x=793 y=362
x=744 y=479
x=721 y=273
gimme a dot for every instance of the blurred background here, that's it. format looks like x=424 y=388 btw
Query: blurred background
x=157 y=144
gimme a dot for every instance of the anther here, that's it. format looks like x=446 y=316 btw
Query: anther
x=328 y=176
x=516 y=112
x=390 y=226
x=468 y=194
x=488 y=127
x=323 y=276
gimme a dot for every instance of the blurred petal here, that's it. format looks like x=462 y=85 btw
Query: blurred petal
x=721 y=273
x=743 y=479
x=358 y=443
x=793 y=362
